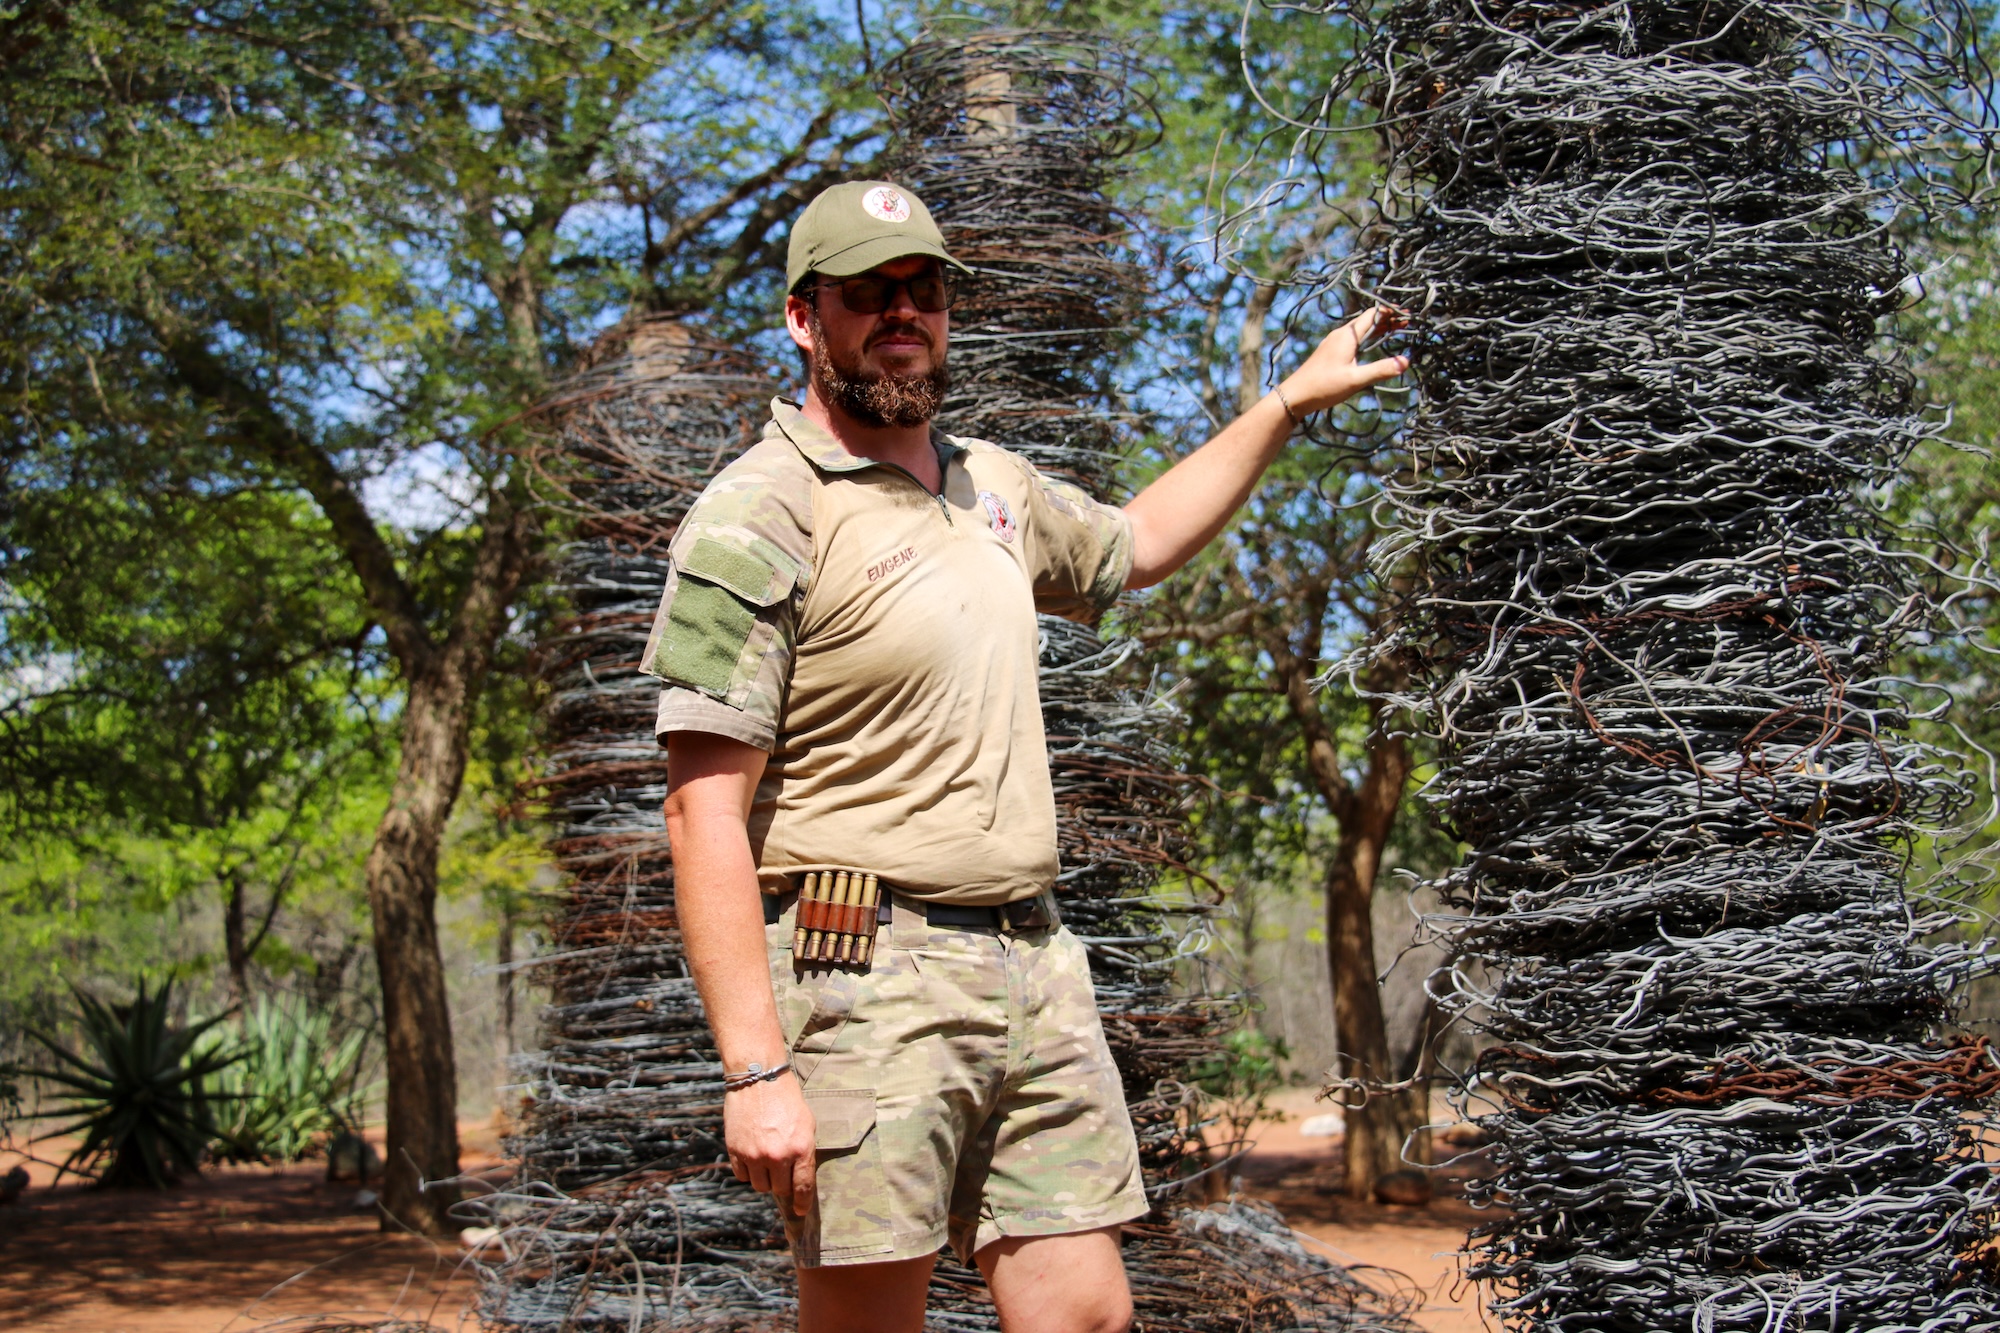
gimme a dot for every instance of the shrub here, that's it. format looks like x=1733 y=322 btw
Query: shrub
x=294 y=1085
x=136 y=1097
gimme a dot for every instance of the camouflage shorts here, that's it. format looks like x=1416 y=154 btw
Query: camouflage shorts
x=962 y=1091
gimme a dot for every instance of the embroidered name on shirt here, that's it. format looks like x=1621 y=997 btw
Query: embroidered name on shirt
x=882 y=568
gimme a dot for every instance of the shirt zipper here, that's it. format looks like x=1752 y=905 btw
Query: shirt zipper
x=943 y=508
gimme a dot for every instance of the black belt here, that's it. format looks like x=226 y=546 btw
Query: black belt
x=1025 y=914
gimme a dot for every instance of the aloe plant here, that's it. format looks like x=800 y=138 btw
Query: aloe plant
x=294 y=1085
x=136 y=1094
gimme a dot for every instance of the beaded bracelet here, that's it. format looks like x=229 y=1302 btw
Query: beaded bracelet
x=1286 y=403
x=752 y=1076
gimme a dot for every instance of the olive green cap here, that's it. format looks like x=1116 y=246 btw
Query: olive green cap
x=851 y=227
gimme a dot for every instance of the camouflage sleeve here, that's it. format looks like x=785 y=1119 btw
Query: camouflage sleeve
x=1079 y=549
x=724 y=635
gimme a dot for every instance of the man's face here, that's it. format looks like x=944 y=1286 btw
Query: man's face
x=883 y=369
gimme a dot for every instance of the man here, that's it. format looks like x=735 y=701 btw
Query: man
x=849 y=647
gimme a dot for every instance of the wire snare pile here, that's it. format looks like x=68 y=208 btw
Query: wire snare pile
x=1657 y=609
x=624 y=1213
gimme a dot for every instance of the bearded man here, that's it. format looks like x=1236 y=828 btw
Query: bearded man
x=862 y=819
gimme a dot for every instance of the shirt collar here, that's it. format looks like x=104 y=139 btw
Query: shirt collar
x=826 y=453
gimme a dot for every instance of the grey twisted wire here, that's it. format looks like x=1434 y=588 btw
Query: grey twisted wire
x=1655 y=615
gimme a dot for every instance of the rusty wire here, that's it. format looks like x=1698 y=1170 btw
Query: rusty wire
x=623 y=1208
x=1656 y=612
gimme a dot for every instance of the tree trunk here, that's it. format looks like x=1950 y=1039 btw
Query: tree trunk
x=422 y=1156
x=504 y=956
x=235 y=945
x=1377 y=1126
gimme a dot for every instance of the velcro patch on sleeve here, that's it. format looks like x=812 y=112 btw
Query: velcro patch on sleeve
x=707 y=627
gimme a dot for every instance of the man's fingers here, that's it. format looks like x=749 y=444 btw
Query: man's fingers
x=1363 y=324
x=805 y=1182
x=781 y=1187
x=1386 y=369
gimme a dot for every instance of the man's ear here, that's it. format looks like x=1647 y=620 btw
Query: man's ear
x=798 y=322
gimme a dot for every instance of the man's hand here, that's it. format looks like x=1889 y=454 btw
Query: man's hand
x=768 y=1129
x=1335 y=372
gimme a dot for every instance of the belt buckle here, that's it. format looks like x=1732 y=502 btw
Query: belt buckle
x=1026 y=914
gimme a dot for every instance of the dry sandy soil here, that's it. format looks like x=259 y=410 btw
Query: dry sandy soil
x=248 y=1248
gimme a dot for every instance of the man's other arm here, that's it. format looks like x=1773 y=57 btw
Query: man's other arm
x=1184 y=509
x=767 y=1128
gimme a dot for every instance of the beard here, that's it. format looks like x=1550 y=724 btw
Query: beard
x=874 y=398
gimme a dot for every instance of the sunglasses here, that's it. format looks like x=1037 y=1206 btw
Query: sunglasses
x=870 y=294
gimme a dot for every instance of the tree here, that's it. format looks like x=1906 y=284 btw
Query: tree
x=297 y=250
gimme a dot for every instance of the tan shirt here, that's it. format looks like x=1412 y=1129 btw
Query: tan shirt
x=881 y=642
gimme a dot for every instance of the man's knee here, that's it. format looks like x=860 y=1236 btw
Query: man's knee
x=1059 y=1284
x=1115 y=1316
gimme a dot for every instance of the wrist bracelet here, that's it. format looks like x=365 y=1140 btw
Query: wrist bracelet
x=1286 y=403
x=752 y=1076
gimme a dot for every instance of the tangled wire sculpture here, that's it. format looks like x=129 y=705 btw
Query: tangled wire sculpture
x=624 y=1213
x=1014 y=140
x=1656 y=609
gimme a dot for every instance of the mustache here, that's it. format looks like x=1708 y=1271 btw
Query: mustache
x=929 y=339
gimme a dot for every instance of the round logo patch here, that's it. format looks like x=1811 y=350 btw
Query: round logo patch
x=886 y=204
x=998 y=514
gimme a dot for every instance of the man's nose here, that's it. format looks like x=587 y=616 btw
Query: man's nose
x=901 y=305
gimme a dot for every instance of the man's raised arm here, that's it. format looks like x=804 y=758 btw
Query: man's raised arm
x=1183 y=510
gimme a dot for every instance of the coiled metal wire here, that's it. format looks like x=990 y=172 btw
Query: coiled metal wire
x=623 y=1213
x=1654 y=607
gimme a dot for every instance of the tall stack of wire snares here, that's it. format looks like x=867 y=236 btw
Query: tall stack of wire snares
x=624 y=1214
x=1658 y=606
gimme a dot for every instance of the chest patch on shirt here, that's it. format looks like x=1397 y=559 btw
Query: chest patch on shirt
x=998 y=514
x=888 y=565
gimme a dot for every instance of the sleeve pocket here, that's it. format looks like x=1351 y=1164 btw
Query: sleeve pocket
x=710 y=639
x=759 y=577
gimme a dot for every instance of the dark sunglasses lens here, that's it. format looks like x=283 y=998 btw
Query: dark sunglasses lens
x=866 y=296
x=930 y=293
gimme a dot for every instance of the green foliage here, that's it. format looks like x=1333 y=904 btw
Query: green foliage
x=137 y=1095
x=294 y=1084
x=1249 y=1067
x=276 y=283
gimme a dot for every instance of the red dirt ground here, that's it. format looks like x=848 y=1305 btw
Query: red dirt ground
x=245 y=1248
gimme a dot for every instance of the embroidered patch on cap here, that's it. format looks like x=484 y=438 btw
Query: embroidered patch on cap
x=887 y=204
x=998 y=514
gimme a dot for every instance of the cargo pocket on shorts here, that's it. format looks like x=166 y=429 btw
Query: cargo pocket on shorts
x=852 y=1208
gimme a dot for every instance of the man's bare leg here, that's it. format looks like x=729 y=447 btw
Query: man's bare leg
x=1059 y=1284
x=866 y=1298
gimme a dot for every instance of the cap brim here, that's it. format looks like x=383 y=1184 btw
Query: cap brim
x=864 y=255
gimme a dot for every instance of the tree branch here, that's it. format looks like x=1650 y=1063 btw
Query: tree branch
x=395 y=605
